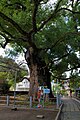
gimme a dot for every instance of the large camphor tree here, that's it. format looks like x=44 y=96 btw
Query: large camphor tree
x=47 y=33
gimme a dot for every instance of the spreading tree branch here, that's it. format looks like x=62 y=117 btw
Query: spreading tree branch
x=4 y=45
x=17 y=5
x=2 y=15
x=61 y=39
x=74 y=67
x=63 y=56
x=66 y=9
x=54 y=14
x=61 y=77
x=6 y=32
x=7 y=40
x=57 y=5
x=34 y=15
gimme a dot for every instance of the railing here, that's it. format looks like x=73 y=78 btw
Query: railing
x=24 y=100
x=9 y=100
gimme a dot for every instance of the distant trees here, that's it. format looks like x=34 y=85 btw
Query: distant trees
x=8 y=67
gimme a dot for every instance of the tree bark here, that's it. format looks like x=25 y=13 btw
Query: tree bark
x=45 y=79
x=33 y=81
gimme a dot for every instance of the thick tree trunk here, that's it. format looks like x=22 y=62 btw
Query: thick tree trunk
x=32 y=64
x=48 y=82
x=37 y=68
x=45 y=79
x=33 y=81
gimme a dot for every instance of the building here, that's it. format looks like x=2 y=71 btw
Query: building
x=23 y=86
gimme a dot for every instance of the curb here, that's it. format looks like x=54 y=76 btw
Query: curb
x=59 y=113
x=76 y=100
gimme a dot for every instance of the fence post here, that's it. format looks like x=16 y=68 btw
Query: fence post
x=7 y=100
x=30 y=101
x=60 y=98
x=57 y=100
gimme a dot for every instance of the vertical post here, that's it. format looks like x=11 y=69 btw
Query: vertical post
x=57 y=96
x=30 y=101
x=15 y=87
x=57 y=100
x=43 y=98
x=60 y=98
x=7 y=100
x=43 y=95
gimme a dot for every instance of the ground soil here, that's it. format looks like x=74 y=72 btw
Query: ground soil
x=26 y=114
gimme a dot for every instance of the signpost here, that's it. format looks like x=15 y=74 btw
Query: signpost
x=46 y=91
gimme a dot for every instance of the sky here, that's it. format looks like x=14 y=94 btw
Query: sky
x=2 y=52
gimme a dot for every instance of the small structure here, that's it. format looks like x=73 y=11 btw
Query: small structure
x=23 y=86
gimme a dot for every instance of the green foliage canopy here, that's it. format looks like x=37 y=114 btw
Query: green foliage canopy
x=51 y=30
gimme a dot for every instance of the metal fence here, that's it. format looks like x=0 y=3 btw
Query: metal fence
x=24 y=101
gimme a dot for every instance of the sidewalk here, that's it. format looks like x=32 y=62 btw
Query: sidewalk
x=71 y=109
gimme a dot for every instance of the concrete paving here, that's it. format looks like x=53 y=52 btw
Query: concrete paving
x=71 y=109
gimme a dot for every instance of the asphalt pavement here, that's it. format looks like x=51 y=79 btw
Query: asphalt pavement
x=71 y=109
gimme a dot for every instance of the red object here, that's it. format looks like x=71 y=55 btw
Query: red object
x=39 y=94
